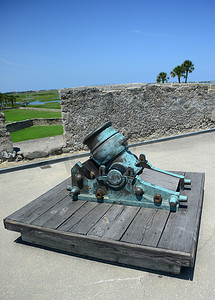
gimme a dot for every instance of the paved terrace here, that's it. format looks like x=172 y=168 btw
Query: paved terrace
x=29 y=272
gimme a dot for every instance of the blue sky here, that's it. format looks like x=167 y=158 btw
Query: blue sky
x=56 y=44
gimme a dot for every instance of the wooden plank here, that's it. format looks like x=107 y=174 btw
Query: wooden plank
x=71 y=242
x=91 y=218
x=77 y=216
x=197 y=221
x=50 y=198
x=121 y=222
x=146 y=227
x=59 y=213
x=160 y=179
x=29 y=217
x=105 y=255
x=106 y=221
x=180 y=233
x=100 y=228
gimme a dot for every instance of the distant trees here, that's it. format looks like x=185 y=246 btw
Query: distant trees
x=189 y=67
x=12 y=100
x=6 y=100
x=180 y=71
x=162 y=77
x=1 y=100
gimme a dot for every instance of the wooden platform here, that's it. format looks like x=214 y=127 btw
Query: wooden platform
x=149 y=238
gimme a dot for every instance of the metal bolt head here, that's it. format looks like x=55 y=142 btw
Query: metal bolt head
x=138 y=190
x=173 y=201
x=78 y=178
x=69 y=188
x=75 y=191
x=99 y=194
x=142 y=157
x=157 y=198
x=172 y=204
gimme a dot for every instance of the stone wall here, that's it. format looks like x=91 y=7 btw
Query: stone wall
x=146 y=111
x=6 y=145
x=15 y=126
x=50 y=121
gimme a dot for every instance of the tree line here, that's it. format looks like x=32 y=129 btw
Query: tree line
x=180 y=71
x=7 y=100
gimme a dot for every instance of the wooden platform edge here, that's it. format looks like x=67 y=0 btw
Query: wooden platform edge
x=198 y=223
x=157 y=259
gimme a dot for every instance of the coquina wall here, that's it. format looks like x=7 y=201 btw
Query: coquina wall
x=6 y=145
x=146 y=110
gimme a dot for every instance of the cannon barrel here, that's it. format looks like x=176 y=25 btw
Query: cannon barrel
x=109 y=147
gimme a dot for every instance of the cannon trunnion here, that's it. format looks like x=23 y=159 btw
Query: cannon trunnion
x=115 y=175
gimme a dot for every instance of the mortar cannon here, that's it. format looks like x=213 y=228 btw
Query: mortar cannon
x=115 y=175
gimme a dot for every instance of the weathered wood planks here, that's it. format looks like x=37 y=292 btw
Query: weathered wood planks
x=147 y=227
x=35 y=208
x=150 y=238
x=181 y=230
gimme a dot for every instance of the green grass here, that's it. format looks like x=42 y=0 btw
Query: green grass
x=25 y=99
x=13 y=115
x=41 y=96
x=50 y=95
x=36 y=132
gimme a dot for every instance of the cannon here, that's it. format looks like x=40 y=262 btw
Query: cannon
x=115 y=175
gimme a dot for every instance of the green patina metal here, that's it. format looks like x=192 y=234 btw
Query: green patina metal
x=113 y=175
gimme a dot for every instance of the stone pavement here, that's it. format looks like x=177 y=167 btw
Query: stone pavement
x=29 y=272
x=38 y=148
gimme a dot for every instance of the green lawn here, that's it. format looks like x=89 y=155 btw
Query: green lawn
x=36 y=132
x=42 y=96
x=13 y=115
x=52 y=105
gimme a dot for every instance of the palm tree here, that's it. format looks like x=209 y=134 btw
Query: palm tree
x=12 y=100
x=189 y=67
x=3 y=100
x=162 y=77
x=178 y=71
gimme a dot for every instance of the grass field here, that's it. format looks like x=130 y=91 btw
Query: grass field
x=44 y=98
x=52 y=105
x=13 y=115
x=36 y=132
